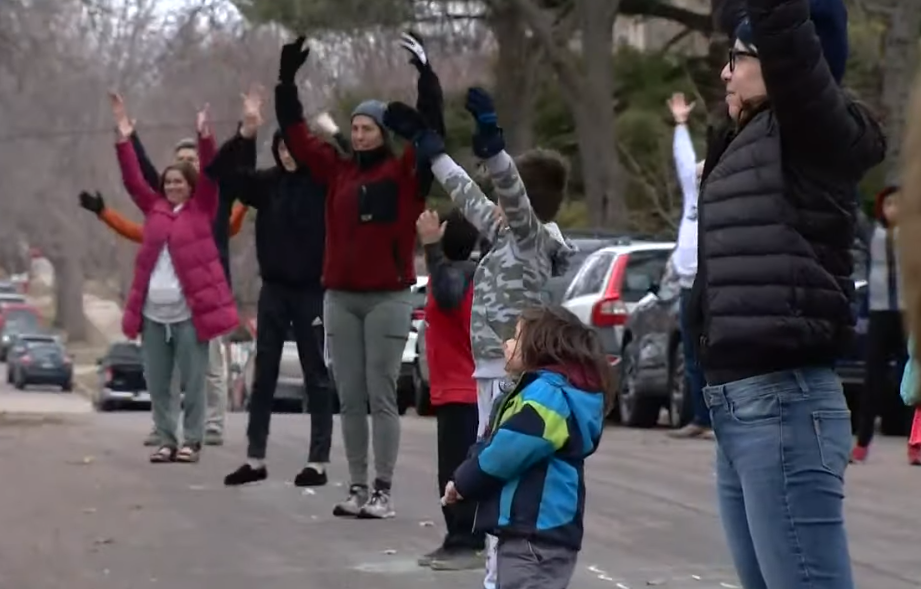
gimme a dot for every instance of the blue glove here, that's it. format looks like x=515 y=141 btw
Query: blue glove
x=429 y=145
x=488 y=139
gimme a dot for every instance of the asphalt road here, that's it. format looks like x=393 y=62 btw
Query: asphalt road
x=80 y=508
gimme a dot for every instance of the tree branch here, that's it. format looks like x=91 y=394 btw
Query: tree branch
x=700 y=22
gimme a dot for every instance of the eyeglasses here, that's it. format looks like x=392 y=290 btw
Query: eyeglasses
x=735 y=54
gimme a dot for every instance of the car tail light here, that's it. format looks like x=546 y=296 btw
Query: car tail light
x=611 y=311
x=25 y=359
x=108 y=374
x=418 y=314
x=68 y=360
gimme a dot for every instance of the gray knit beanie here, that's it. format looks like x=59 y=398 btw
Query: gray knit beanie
x=375 y=110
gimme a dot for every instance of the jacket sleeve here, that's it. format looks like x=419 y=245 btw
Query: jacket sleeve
x=512 y=195
x=465 y=193
x=342 y=143
x=141 y=192
x=233 y=166
x=206 y=192
x=448 y=282
x=309 y=150
x=536 y=431
x=237 y=215
x=121 y=225
x=430 y=103
x=685 y=163
x=816 y=118
x=147 y=168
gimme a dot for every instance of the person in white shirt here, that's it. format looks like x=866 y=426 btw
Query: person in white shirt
x=684 y=262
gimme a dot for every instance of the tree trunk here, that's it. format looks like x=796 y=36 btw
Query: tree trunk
x=68 y=297
x=593 y=111
x=515 y=71
x=899 y=60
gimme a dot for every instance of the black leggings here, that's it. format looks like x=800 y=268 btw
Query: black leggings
x=885 y=343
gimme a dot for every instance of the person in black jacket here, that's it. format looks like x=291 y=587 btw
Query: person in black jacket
x=290 y=233
x=772 y=297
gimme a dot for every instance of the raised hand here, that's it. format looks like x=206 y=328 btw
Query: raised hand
x=203 y=121
x=92 y=202
x=680 y=108
x=411 y=42
x=120 y=114
x=252 y=110
x=488 y=139
x=293 y=56
x=431 y=229
x=325 y=122
x=404 y=120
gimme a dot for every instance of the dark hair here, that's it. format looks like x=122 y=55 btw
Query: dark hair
x=186 y=144
x=545 y=173
x=188 y=172
x=460 y=237
x=554 y=336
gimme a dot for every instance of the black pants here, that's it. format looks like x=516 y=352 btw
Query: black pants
x=457 y=427
x=885 y=342
x=281 y=308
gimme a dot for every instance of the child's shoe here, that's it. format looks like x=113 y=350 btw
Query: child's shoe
x=914 y=454
x=859 y=454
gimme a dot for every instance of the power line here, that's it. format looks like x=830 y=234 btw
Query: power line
x=38 y=134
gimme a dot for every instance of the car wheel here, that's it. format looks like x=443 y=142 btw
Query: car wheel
x=68 y=386
x=680 y=410
x=423 y=393
x=635 y=411
x=106 y=406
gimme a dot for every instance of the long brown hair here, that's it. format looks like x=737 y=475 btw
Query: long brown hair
x=188 y=172
x=552 y=336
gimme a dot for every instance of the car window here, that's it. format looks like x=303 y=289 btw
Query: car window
x=45 y=351
x=644 y=269
x=20 y=320
x=592 y=276
x=8 y=288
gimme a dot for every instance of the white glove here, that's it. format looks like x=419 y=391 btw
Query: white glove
x=326 y=122
x=411 y=43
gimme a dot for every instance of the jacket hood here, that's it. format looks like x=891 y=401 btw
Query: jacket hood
x=586 y=404
x=559 y=249
x=277 y=138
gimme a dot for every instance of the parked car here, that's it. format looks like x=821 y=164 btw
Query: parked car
x=421 y=382
x=406 y=385
x=38 y=359
x=586 y=243
x=9 y=287
x=11 y=297
x=16 y=318
x=121 y=378
x=611 y=282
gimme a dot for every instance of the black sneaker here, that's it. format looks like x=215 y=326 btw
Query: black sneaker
x=311 y=476
x=244 y=475
x=426 y=559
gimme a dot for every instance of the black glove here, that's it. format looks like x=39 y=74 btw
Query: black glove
x=412 y=42
x=92 y=202
x=429 y=145
x=488 y=139
x=404 y=120
x=293 y=56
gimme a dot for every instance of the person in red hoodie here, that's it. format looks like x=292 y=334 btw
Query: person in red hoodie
x=179 y=298
x=448 y=244
x=373 y=201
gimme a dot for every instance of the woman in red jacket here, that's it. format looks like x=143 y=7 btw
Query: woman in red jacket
x=179 y=298
x=373 y=200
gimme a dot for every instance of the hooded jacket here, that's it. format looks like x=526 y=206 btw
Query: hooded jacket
x=290 y=225
x=524 y=254
x=226 y=196
x=529 y=476
x=776 y=217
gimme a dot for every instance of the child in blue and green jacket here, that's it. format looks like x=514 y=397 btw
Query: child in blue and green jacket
x=527 y=476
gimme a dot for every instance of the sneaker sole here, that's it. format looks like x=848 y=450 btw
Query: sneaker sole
x=304 y=485
x=341 y=512
x=366 y=515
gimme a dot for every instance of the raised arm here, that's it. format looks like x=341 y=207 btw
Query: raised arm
x=147 y=168
x=513 y=197
x=466 y=194
x=122 y=225
x=816 y=118
x=535 y=431
x=206 y=192
x=448 y=283
x=683 y=148
x=251 y=187
x=140 y=191
x=318 y=156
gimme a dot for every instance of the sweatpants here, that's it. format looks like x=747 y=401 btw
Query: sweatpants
x=279 y=309
x=367 y=332
x=216 y=387
x=167 y=347
x=488 y=390
x=532 y=564
x=457 y=427
x=885 y=342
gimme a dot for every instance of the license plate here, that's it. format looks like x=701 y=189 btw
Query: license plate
x=47 y=365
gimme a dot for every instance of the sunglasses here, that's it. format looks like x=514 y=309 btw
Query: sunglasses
x=735 y=54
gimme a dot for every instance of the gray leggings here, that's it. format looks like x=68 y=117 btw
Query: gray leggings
x=166 y=347
x=367 y=332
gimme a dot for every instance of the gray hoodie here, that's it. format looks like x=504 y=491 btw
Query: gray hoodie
x=525 y=253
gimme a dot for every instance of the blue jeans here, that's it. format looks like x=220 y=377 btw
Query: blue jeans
x=783 y=442
x=694 y=376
